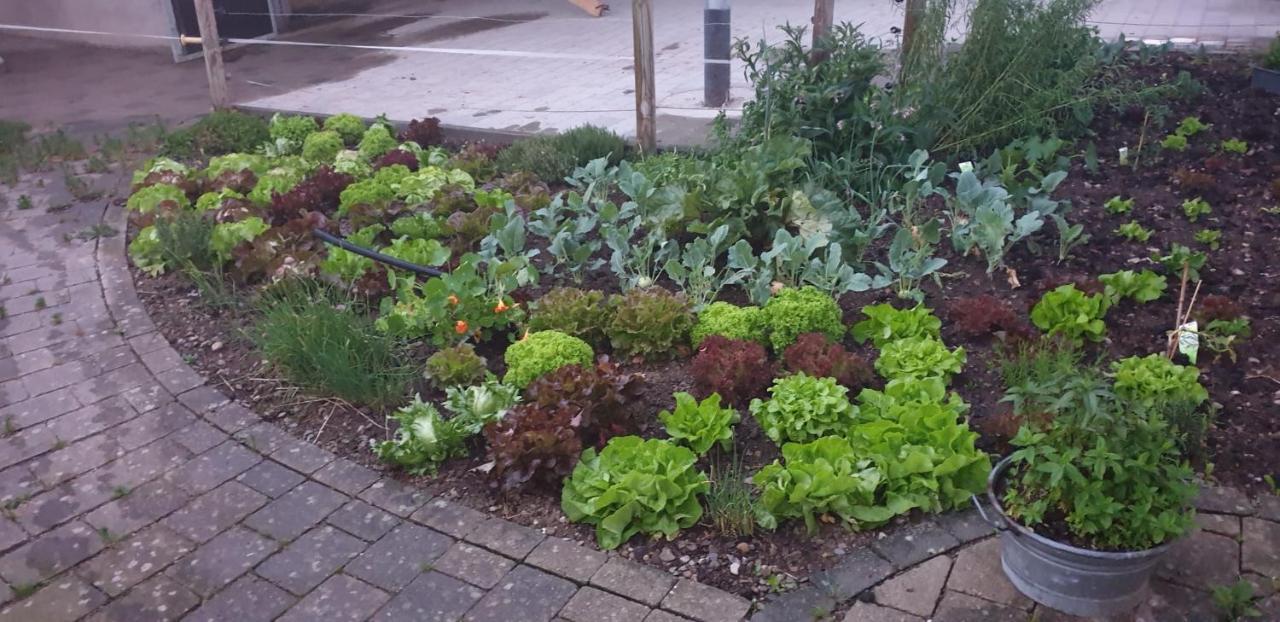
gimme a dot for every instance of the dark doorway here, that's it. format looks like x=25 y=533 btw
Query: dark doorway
x=241 y=19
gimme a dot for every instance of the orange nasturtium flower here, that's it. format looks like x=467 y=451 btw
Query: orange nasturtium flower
x=460 y=327
x=500 y=307
x=453 y=300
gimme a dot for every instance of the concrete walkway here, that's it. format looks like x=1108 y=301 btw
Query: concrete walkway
x=132 y=491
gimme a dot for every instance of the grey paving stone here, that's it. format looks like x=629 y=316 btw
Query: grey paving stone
x=209 y=514
x=854 y=573
x=1221 y=500
x=296 y=511
x=807 y=601
x=1261 y=547
x=24 y=414
x=958 y=607
x=505 y=537
x=404 y=553
x=966 y=526
x=221 y=560
x=567 y=559
x=50 y=554
x=341 y=598
x=635 y=581
x=159 y=599
x=705 y=603
x=309 y=560
x=1268 y=507
x=10 y=534
x=977 y=572
x=142 y=555
x=203 y=399
x=871 y=612
x=155 y=424
x=302 y=456
x=432 y=596
x=592 y=605
x=114 y=382
x=63 y=600
x=525 y=594
x=58 y=376
x=449 y=517
x=474 y=565
x=263 y=437
x=249 y=599
x=199 y=437
x=346 y=476
x=78 y=457
x=1225 y=524
x=147 y=342
x=658 y=615
x=231 y=417
x=910 y=545
x=917 y=590
x=270 y=478
x=395 y=497
x=180 y=379
x=141 y=507
x=147 y=397
x=1202 y=560
x=61 y=504
x=363 y=520
x=210 y=469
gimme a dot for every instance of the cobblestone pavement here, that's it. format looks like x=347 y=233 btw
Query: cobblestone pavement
x=131 y=491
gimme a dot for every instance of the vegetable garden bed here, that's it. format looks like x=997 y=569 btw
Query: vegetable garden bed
x=1231 y=164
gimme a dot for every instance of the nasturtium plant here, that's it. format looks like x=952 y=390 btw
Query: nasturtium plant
x=1071 y=313
x=731 y=321
x=825 y=477
x=423 y=439
x=794 y=312
x=635 y=486
x=1142 y=286
x=919 y=357
x=802 y=408
x=544 y=352
x=1154 y=380
x=885 y=323
x=700 y=425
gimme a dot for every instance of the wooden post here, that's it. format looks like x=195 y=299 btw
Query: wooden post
x=823 y=15
x=212 y=53
x=646 y=109
x=915 y=10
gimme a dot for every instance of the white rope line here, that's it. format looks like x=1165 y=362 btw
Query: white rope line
x=505 y=20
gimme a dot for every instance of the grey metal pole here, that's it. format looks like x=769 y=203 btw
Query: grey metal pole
x=715 y=53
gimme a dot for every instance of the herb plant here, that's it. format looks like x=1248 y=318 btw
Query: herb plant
x=635 y=486
x=544 y=352
x=700 y=425
x=802 y=408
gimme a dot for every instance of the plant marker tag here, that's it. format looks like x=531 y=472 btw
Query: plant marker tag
x=1189 y=340
x=1124 y=155
x=966 y=167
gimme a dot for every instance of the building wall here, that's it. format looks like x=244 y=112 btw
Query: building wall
x=153 y=17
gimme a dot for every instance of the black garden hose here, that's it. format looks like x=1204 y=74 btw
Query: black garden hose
x=394 y=262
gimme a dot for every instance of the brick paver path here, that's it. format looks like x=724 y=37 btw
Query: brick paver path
x=131 y=491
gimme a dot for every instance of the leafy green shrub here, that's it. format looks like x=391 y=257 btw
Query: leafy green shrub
x=1071 y=313
x=533 y=445
x=1134 y=231
x=1195 y=208
x=184 y=240
x=348 y=126
x=735 y=369
x=1142 y=286
x=322 y=147
x=1174 y=142
x=455 y=366
x=420 y=226
x=588 y=142
x=635 y=486
x=884 y=323
x=159 y=197
x=323 y=342
x=220 y=132
x=541 y=155
x=377 y=140
x=291 y=130
x=731 y=321
x=1154 y=380
x=802 y=408
x=814 y=354
x=422 y=440
x=478 y=405
x=581 y=313
x=1117 y=205
x=544 y=352
x=794 y=312
x=652 y=322
x=919 y=357
x=599 y=395
x=700 y=425
x=820 y=478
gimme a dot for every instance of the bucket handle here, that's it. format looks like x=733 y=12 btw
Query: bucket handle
x=997 y=523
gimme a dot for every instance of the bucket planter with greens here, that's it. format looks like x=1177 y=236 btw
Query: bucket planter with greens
x=1098 y=488
x=1266 y=75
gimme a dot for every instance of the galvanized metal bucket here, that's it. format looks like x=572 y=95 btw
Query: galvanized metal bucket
x=1072 y=580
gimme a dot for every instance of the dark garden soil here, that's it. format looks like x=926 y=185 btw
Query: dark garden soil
x=1243 y=446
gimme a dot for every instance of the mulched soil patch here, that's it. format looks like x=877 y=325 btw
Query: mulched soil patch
x=1243 y=445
